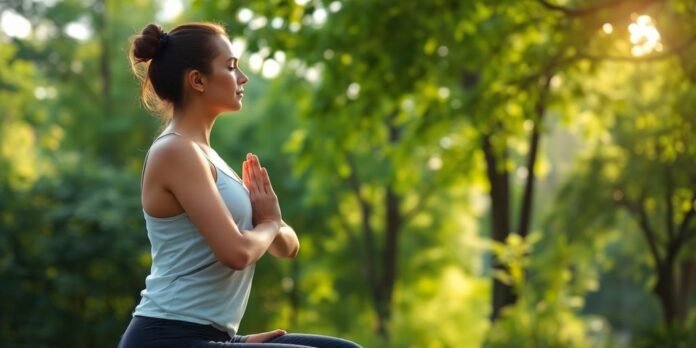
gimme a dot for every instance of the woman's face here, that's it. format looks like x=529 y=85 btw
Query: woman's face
x=225 y=83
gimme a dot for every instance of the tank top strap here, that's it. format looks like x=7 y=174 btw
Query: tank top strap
x=222 y=166
x=211 y=155
x=147 y=154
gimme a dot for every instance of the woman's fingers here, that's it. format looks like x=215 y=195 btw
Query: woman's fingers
x=247 y=175
x=267 y=181
x=258 y=176
x=264 y=336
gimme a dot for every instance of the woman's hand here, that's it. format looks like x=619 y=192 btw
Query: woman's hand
x=264 y=202
x=264 y=336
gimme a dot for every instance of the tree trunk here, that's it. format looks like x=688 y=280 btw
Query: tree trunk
x=104 y=55
x=673 y=288
x=525 y=217
x=370 y=263
x=391 y=242
x=380 y=260
x=497 y=174
x=295 y=294
x=382 y=276
x=665 y=290
x=686 y=282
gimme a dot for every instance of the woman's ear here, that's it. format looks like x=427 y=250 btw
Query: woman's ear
x=196 y=80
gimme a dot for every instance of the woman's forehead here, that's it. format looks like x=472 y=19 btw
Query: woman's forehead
x=225 y=47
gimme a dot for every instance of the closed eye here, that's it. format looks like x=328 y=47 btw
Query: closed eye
x=232 y=60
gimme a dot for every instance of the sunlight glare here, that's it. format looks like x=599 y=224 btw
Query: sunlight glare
x=353 y=91
x=644 y=36
x=408 y=104
x=270 y=69
x=335 y=6
x=312 y=74
x=258 y=23
x=608 y=28
x=435 y=163
x=78 y=30
x=238 y=46
x=47 y=3
x=446 y=142
x=44 y=31
x=319 y=16
x=245 y=15
x=14 y=25
x=277 y=22
x=255 y=62
x=294 y=27
x=280 y=57
x=169 y=10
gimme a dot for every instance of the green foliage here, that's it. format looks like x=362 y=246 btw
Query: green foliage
x=376 y=98
x=546 y=311
x=72 y=248
x=669 y=336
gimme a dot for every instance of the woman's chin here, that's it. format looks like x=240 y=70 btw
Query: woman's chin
x=234 y=107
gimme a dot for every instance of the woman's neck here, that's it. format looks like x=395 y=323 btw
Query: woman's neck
x=193 y=122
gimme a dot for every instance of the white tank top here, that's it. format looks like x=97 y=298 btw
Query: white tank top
x=186 y=281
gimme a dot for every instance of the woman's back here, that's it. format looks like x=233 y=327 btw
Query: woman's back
x=187 y=282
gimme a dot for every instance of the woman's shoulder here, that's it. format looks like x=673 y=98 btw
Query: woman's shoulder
x=172 y=152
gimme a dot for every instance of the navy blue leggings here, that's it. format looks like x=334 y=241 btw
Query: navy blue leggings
x=146 y=332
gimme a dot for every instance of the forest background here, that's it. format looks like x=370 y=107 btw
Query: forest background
x=470 y=173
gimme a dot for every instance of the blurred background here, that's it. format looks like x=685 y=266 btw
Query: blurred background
x=461 y=173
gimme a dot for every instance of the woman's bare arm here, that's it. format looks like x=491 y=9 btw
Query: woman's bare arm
x=186 y=174
x=286 y=244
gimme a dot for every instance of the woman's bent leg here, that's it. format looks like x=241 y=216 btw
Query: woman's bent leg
x=245 y=345
x=316 y=341
x=146 y=332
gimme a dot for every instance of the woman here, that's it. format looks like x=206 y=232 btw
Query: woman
x=207 y=226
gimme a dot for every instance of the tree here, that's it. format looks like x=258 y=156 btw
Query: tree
x=647 y=168
x=647 y=171
x=382 y=174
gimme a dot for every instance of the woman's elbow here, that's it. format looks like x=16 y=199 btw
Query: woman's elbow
x=289 y=253
x=237 y=262
x=294 y=252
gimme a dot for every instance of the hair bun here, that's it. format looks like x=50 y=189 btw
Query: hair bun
x=149 y=43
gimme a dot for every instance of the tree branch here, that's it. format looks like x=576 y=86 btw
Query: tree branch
x=647 y=58
x=669 y=222
x=528 y=195
x=589 y=10
x=355 y=182
x=684 y=233
x=368 y=233
x=418 y=207
x=352 y=239
x=422 y=201
x=392 y=229
x=639 y=212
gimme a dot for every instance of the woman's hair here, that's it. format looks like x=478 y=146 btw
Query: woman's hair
x=160 y=60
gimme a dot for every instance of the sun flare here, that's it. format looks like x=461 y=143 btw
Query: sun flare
x=644 y=36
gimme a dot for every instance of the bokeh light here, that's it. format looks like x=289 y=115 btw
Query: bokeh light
x=644 y=36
